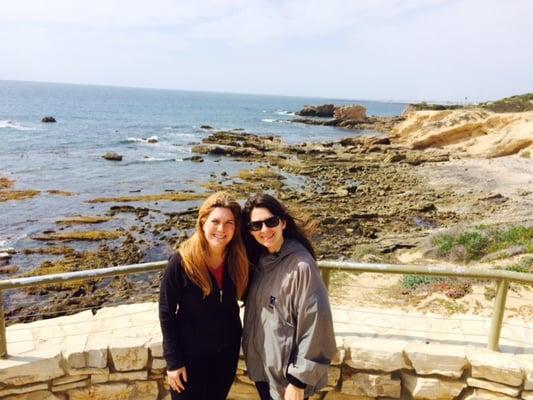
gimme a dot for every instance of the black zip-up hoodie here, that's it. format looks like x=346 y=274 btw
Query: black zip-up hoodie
x=193 y=324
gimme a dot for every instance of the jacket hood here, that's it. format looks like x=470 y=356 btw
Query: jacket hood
x=289 y=246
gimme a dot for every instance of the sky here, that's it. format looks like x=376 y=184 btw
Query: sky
x=433 y=50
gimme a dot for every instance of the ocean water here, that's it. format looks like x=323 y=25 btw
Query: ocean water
x=92 y=120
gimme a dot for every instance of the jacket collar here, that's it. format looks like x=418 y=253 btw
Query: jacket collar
x=268 y=261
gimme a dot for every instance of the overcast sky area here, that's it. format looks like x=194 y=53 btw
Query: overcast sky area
x=445 y=50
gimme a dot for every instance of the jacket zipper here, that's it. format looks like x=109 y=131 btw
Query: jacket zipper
x=220 y=295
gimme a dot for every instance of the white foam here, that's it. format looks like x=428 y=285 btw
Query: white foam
x=143 y=140
x=284 y=112
x=268 y=120
x=5 y=123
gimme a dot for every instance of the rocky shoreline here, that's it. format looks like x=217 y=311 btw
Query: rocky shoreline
x=366 y=193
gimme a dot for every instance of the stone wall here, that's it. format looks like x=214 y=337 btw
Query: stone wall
x=117 y=354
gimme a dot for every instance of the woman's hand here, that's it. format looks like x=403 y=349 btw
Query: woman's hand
x=293 y=393
x=177 y=378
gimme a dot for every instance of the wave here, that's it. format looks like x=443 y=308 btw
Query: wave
x=152 y=140
x=152 y=160
x=276 y=121
x=284 y=112
x=5 y=123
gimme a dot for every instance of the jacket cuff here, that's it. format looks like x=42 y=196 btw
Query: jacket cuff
x=174 y=363
x=295 y=381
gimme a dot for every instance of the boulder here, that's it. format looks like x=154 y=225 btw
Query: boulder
x=482 y=394
x=432 y=388
x=48 y=119
x=372 y=385
x=112 y=156
x=444 y=360
x=324 y=110
x=376 y=354
x=496 y=367
x=493 y=386
x=352 y=113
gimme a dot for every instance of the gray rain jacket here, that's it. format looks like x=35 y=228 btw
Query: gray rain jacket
x=288 y=326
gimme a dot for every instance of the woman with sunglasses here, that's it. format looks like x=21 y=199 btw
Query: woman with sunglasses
x=198 y=307
x=288 y=338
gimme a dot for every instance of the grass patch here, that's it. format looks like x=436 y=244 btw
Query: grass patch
x=410 y=283
x=525 y=154
x=52 y=250
x=150 y=197
x=525 y=265
x=519 y=103
x=73 y=236
x=475 y=243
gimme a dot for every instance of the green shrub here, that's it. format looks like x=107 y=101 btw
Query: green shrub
x=525 y=265
x=477 y=242
x=413 y=282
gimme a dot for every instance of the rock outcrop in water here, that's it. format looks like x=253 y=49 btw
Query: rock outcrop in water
x=324 y=110
x=48 y=119
x=467 y=132
x=112 y=156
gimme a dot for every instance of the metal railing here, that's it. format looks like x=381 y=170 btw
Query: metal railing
x=502 y=278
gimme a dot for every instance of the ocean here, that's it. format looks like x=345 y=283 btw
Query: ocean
x=92 y=120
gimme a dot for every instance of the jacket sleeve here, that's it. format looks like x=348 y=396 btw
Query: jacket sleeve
x=315 y=344
x=169 y=295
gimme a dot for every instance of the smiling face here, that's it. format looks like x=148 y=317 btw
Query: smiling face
x=219 y=228
x=271 y=238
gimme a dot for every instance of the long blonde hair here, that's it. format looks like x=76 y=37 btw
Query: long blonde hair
x=195 y=250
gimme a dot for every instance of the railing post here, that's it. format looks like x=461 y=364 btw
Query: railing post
x=497 y=314
x=3 y=341
x=326 y=277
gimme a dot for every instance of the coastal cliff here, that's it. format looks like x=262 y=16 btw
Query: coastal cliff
x=467 y=132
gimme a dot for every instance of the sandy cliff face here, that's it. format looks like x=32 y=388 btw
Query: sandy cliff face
x=472 y=132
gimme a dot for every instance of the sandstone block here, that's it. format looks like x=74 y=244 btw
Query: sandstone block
x=95 y=351
x=371 y=385
x=482 y=394
x=334 y=395
x=242 y=391
x=334 y=374
x=245 y=379
x=527 y=395
x=494 y=366
x=72 y=385
x=87 y=371
x=438 y=359
x=23 y=389
x=376 y=354
x=37 y=367
x=99 y=378
x=39 y=395
x=156 y=348
x=129 y=354
x=128 y=376
x=338 y=359
x=69 y=379
x=493 y=386
x=431 y=388
x=117 y=391
x=159 y=363
x=526 y=362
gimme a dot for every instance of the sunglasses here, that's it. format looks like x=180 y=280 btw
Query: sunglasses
x=269 y=222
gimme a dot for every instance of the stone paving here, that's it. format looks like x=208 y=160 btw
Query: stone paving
x=119 y=323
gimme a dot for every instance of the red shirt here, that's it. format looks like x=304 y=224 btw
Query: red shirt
x=218 y=273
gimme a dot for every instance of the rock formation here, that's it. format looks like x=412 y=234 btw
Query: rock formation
x=352 y=112
x=48 y=119
x=112 y=156
x=467 y=132
x=324 y=110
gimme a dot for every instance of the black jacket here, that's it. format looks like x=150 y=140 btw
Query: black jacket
x=200 y=325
